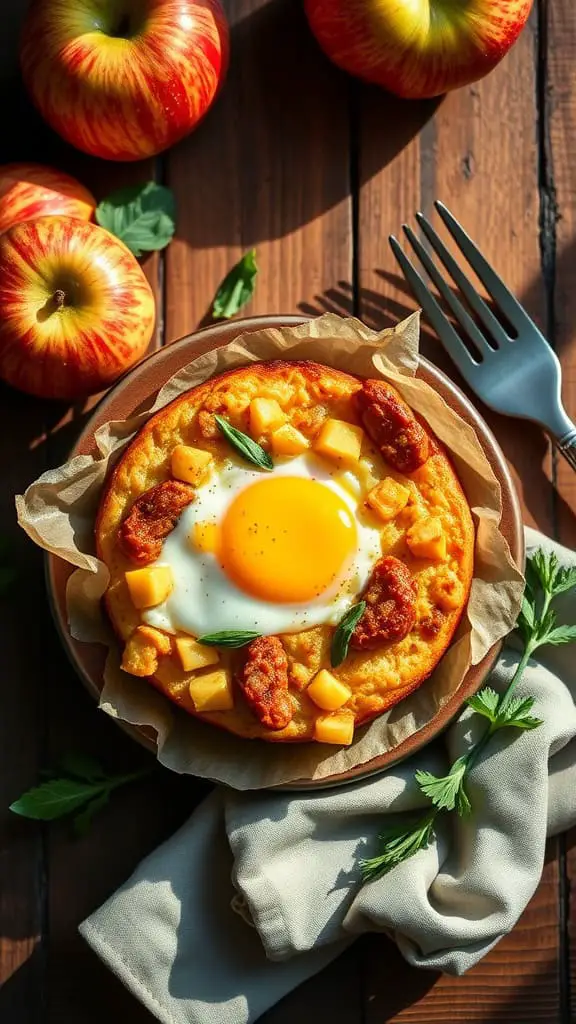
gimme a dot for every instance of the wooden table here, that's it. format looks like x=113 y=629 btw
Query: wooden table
x=314 y=170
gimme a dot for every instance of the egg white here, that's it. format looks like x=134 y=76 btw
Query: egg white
x=205 y=600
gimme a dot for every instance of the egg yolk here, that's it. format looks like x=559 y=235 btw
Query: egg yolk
x=287 y=539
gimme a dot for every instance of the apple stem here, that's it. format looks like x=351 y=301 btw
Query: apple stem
x=59 y=298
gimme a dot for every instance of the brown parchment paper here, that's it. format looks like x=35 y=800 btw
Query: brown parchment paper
x=58 y=510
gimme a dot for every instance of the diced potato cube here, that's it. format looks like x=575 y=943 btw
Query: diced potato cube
x=206 y=537
x=388 y=498
x=426 y=539
x=150 y=586
x=265 y=416
x=328 y=692
x=340 y=440
x=212 y=691
x=190 y=464
x=194 y=655
x=288 y=441
x=140 y=657
x=337 y=728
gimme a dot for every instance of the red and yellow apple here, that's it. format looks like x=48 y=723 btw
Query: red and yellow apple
x=417 y=48
x=33 y=190
x=75 y=308
x=121 y=79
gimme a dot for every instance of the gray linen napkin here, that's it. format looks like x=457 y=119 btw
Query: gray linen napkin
x=257 y=892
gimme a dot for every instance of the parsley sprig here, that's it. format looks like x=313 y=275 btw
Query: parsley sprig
x=537 y=626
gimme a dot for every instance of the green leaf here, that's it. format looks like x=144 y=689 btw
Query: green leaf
x=560 y=635
x=81 y=766
x=515 y=714
x=446 y=792
x=485 y=703
x=83 y=819
x=244 y=445
x=398 y=844
x=236 y=288
x=54 y=799
x=544 y=566
x=565 y=580
x=141 y=216
x=228 y=638
x=343 y=634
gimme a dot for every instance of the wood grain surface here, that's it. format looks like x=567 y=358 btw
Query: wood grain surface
x=314 y=170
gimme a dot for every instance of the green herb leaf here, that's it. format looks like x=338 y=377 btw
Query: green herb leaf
x=141 y=216
x=448 y=791
x=228 y=638
x=236 y=288
x=54 y=799
x=560 y=635
x=244 y=445
x=343 y=634
x=515 y=713
x=565 y=580
x=545 y=567
x=83 y=819
x=399 y=843
x=81 y=766
x=485 y=703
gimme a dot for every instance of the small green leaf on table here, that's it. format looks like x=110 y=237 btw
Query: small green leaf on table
x=237 y=288
x=141 y=216
x=83 y=786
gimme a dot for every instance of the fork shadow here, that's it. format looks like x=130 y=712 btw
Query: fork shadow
x=523 y=443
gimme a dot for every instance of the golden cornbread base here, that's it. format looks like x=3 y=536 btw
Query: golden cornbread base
x=58 y=513
x=309 y=393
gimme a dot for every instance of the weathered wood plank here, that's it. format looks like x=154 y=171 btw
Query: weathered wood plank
x=269 y=168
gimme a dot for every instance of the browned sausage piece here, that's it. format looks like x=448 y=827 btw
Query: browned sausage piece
x=392 y=426
x=264 y=681
x=152 y=517
x=390 y=597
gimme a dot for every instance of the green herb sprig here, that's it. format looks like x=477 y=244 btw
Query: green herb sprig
x=141 y=216
x=537 y=626
x=82 y=788
x=343 y=633
x=237 y=288
x=249 y=449
x=228 y=638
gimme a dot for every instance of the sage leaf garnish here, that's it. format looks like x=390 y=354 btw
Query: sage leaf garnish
x=228 y=638
x=244 y=445
x=343 y=634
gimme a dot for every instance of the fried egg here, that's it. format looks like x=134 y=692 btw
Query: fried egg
x=271 y=552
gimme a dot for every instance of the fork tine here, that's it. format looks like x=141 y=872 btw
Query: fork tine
x=462 y=315
x=456 y=348
x=504 y=298
x=474 y=300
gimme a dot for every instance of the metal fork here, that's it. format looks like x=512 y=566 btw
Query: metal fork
x=516 y=375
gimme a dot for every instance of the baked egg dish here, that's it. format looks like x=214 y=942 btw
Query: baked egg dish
x=290 y=551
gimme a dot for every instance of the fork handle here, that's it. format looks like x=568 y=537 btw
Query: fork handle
x=567 y=445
